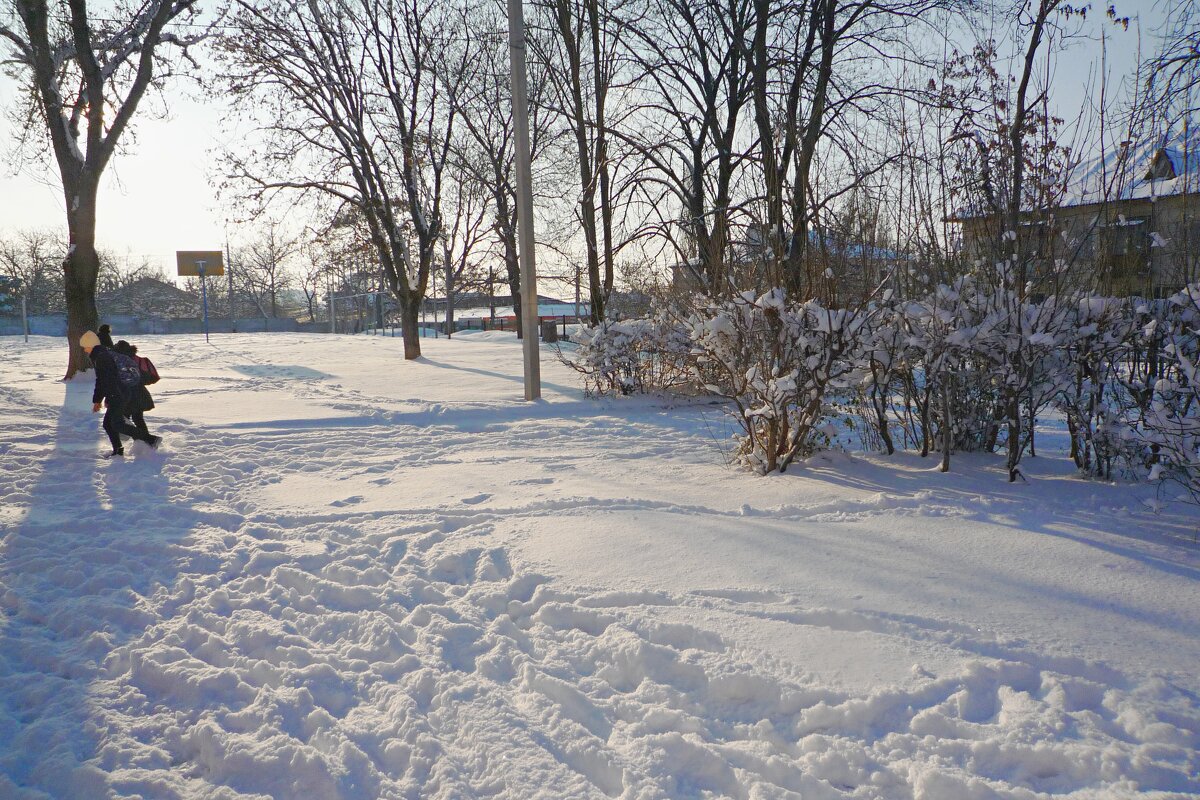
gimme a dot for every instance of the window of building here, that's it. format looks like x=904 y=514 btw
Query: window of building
x=1127 y=237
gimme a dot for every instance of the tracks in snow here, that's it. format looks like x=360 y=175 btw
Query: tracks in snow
x=210 y=646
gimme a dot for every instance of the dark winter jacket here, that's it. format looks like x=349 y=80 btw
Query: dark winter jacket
x=142 y=401
x=108 y=381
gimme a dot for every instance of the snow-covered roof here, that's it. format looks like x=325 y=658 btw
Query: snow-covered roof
x=544 y=310
x=149 y=297
x=1158 y=168
x=1161 y=167
x=834 y=243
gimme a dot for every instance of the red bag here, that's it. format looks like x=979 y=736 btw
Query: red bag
x=149 y=373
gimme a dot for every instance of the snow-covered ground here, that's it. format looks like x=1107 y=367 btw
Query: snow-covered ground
x=346 y=576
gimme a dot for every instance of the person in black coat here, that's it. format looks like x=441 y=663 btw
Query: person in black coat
x=142 y=400
x=110 y=392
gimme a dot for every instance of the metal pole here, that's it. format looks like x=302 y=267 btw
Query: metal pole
x=229 y=274
x=332 y=324
x=529 y=298
x=204 y=297
x=24 y=319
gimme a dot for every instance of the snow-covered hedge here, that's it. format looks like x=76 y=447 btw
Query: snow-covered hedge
x=964 y=367
x=632 y=356
x=1168 y=422
x=778 y=364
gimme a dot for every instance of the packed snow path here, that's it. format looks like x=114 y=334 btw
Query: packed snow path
x=346 y=576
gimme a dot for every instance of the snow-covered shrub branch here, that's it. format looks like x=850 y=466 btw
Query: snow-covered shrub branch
x=1170 y=415
x=1102 y=330
x=963 y=367
x=778 y=364
x=633 y=356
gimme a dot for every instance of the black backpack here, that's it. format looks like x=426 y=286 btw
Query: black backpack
x=128 y=371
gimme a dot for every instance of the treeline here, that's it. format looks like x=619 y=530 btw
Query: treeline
x=663 y=131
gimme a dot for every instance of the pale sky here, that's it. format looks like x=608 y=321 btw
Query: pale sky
x=156 y=199
x=162 y=196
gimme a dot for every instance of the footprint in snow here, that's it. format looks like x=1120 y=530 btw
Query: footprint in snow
x=349 y=501
x=479 y=498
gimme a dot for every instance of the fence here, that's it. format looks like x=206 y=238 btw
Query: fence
x=127 y=325
x=39 y=325
x=560 y=323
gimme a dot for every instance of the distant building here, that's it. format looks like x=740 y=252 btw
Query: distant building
x=1128 y=224
x=856 y=266
x=148 y=298
x=480 y=305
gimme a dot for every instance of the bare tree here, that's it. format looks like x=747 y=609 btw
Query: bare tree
x=353 y=100
x=1176 y=69
x=693 y=72
x=86 y=76
x=464 y=242
x=313 y=274
x=265 y=267
x=483 y=152
x=814 y=102
x=577 y=46
x=35 y=258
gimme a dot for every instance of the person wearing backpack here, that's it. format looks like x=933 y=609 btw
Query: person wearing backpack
x=142 y=400
x=114 y=389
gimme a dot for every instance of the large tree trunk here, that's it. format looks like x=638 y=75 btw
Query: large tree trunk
x=410 y=310
x=86 y=107
x=599 y=95
x=81 y=268
x=569 y=29
x=798 y=272
x=512 y=266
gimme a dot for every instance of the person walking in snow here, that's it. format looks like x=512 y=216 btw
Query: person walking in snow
x=142 y=400
x=105 y=334
x=112 y=393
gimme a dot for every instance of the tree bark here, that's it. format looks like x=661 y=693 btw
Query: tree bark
x=85 y=115
x=410 y=310
x=81 y=268
x=569 y=33
x=947 y=426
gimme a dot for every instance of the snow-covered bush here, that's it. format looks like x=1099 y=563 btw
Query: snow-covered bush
x=966 y=366
x=949 y=381
x=885 y=365
x=1097 y=347
x=1170 y=422
x=778 y=364
x=632 y=356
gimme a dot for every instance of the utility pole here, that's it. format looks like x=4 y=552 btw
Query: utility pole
x=229 y=274
x=529 y=297
x=492 y=296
